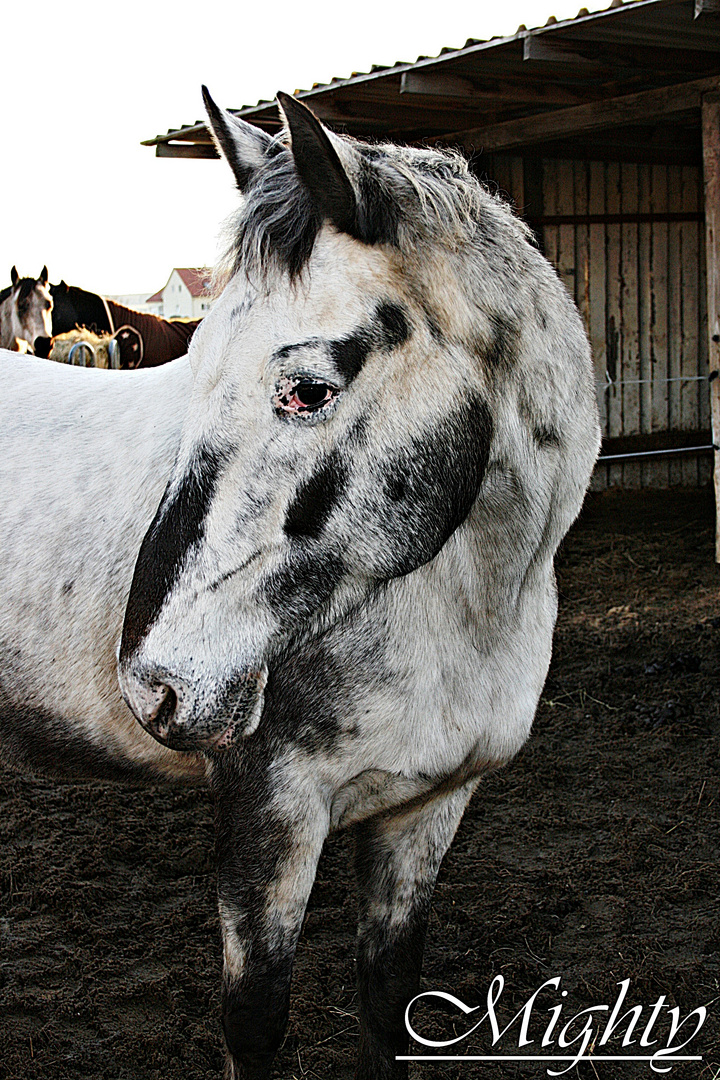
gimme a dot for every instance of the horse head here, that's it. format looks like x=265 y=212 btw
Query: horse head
x=377 y=311
x=27 y=310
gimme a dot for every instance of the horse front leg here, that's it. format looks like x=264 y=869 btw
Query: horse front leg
x=397 y=860
x=270 y=833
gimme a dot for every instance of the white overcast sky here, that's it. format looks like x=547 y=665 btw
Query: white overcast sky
x=83 y=82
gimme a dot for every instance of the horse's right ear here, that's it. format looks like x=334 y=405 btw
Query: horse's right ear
x=43 y=279
x=14 y=276
x=243 y=145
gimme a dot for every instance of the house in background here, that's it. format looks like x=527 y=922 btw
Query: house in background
x=185 y=295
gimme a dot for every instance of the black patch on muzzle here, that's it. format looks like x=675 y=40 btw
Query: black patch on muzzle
x=177 y=526
x=431 y=485
x=42 y=347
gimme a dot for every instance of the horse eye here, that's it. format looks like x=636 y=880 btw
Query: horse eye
x=303 y=395
x=310 y=394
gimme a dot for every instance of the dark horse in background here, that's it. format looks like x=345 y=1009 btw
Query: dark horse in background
x=145 y=340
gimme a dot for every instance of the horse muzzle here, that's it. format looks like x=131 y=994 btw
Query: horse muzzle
x=185 y=716
x=42 y=347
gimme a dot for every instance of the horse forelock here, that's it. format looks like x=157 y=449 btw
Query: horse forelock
x=407 y=198
x=24 y=288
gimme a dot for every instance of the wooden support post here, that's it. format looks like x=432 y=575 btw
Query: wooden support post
x=711 y=167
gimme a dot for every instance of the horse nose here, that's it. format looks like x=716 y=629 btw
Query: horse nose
x=160 y=703
x=42 y=346
x=184 y=715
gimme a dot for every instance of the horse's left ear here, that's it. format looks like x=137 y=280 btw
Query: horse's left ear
x=43 y=279
x=14 y=277
x=319 y=166
x=244 y=145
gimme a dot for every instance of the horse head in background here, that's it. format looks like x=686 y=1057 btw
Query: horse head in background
x=144 y=340
x=25 y=312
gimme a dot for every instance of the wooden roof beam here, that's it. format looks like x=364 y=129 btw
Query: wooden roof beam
x=416 y=86
x=638 y=29
x=537 y=47
x=611 y=56
x=185 y=150
x=583 y=119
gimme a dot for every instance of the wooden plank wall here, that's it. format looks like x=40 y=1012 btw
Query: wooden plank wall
x=640 y=288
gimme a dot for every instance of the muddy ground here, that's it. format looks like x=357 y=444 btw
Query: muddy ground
x=594 y=856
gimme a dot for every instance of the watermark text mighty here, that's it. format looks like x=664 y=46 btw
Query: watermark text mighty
x=657 y=1034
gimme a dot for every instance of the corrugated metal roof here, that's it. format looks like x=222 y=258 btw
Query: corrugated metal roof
x=624 y=49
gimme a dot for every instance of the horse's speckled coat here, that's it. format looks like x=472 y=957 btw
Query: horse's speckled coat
x=371 y=579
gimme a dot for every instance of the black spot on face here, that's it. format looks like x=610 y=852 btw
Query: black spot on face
x=25 y=288
x=302 y=585
x=303 y=695
x=395 y=329
x=350 y=353
x=316 y=498
x=388 y=330
x=177 y=526
x=430 y=487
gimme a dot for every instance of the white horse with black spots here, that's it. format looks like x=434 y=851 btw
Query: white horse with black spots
x=344 y=604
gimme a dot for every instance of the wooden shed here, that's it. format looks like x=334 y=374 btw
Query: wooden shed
x=604 y=131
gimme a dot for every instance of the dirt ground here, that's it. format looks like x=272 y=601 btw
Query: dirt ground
x=593 y=856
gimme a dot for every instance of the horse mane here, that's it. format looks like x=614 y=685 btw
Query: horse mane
x=407 y=197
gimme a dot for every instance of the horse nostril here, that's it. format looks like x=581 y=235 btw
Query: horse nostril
x=162 y=717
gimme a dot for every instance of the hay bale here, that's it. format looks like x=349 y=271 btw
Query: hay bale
x=63 y=343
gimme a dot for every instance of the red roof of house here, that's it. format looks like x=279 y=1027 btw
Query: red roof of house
x=196 y=278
